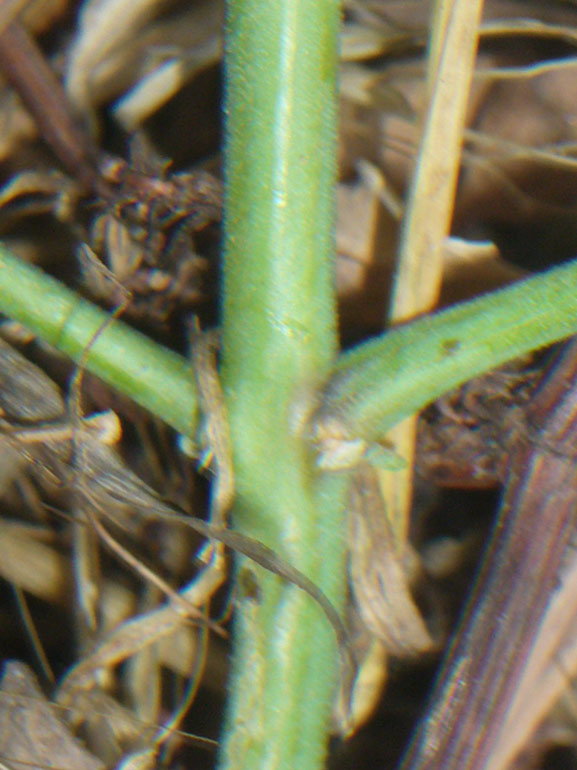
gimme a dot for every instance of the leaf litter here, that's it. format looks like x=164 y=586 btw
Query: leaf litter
x=516 y=189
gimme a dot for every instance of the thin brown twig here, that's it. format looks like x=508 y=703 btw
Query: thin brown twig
x=24 y=65
x=519 y=575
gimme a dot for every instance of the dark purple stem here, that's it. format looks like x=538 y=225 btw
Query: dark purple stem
x=520 y=572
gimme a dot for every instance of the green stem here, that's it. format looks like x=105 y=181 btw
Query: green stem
x=154 y=377
x=370 y=389
x=278 y=337
x=389 y=378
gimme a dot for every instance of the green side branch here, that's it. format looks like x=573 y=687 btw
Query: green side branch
x=382 y=381
x=368 y=390
x=156 y=378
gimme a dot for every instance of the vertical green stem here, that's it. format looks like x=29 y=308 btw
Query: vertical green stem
x=278 y=338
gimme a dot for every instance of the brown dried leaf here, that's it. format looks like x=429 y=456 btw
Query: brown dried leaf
x=379 y=576
x=27 y=394
x=107 y=58
x=31 y=733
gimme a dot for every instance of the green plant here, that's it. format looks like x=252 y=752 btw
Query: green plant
x=280 y=361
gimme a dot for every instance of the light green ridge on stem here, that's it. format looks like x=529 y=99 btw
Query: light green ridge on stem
x=384 y=380
x=156 y=378
x=278 y=336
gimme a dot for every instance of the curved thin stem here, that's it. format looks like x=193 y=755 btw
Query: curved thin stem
x=156 y=378
x=383 y=381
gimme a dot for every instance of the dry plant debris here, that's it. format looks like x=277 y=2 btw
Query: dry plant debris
x=134 y=224
x=32 y=733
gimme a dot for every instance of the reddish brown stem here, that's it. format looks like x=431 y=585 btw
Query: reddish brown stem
x=520 y=571
x=24 y=65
